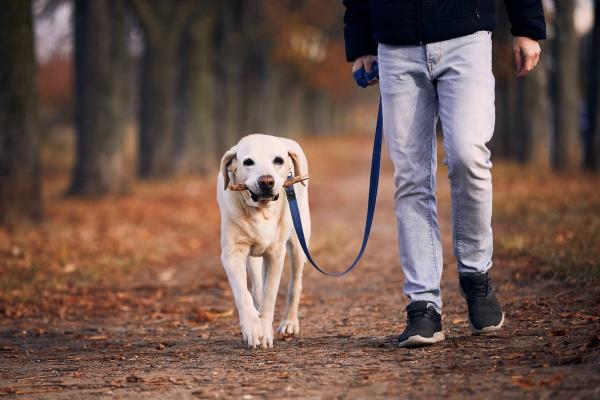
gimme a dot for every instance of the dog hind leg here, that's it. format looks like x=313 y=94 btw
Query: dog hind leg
x=290 y=324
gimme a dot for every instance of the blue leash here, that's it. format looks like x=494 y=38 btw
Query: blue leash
x=362 y=79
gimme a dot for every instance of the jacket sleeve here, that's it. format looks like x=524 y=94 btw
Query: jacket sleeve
x=358 y=33
x=527 y=18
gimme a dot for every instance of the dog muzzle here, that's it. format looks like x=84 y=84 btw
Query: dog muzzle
x=263 y=197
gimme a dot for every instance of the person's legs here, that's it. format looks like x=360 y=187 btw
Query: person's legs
x=465 y=86
x=466 y=96
x=409 y=116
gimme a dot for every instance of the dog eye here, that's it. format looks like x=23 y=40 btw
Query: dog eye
x=248 y=162
x=278 y=161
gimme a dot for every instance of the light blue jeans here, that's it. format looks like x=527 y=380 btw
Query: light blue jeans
x=451 y=80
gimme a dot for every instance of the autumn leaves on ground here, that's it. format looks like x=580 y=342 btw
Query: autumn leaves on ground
x=125 y=297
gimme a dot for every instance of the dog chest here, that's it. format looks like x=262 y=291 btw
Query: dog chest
x=263 y=237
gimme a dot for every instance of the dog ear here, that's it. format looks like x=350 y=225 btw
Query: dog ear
x=298 y=165
x=228 y=162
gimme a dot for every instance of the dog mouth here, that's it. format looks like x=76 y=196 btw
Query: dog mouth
x=263 y=197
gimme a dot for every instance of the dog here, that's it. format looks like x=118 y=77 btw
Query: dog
x=257 y=232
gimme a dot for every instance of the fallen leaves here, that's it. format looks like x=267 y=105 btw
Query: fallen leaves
x=530 y=382
x=87 y=242
x=558 y=332
x=207 y=315
x=97 y=337
x=593 y=341
x=134 y=379
x=109 y=272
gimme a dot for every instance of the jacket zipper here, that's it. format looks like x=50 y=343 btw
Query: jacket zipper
x=420 y=21
x=476 y=9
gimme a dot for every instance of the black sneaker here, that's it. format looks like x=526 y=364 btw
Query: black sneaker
x=424 y=325
x=485 y=313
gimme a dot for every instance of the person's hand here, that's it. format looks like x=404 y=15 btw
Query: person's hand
x=364 y=61
x=527 y=54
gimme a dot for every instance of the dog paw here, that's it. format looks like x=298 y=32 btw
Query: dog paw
x=289 y=328
x=267 y=339
x=252 y=330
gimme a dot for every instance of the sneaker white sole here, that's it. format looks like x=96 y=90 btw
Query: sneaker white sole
x=487 y=329
x=418 y=340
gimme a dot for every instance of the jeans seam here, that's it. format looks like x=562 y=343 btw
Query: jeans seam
x=458 y=244
x=430 y=212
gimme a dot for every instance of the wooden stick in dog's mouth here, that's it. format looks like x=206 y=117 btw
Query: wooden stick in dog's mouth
x=240 y=187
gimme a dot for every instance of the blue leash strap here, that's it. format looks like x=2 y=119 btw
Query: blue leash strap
x=374 y=182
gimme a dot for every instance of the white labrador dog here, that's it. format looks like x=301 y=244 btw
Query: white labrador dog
x=257 y=229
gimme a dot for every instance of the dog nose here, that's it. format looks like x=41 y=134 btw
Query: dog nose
x=266 y=182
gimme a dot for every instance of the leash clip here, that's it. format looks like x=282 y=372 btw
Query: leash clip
x=289 y=190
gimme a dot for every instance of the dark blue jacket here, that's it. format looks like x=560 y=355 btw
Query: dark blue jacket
x=413 y=22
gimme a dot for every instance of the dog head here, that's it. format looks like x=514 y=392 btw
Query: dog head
x=262 y=163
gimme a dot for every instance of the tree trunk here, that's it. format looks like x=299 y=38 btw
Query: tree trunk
x=592 y=159
x=162 y=23
x=102 y=72
x=20 y=197
x=195 y=133
x=274 y=108
x=504 y=143
x=255 y=66
x=318 y=113
x=532 y=121
x=157 y=112
x=297 y=119
x=565 y=144
x=228 y=75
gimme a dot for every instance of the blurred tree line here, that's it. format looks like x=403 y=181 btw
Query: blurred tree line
x=208 y=73
x=211 y=71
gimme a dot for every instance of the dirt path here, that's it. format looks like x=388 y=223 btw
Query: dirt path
x=171 y=333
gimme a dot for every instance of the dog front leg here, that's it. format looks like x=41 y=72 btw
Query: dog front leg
x=234 y=262
x=273 y=265
x=254 y=266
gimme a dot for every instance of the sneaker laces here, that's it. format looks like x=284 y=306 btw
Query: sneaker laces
x=477 y=289
x=415 y=315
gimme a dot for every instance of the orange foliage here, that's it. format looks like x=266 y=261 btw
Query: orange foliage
x=91 y=241
x=307 y=36
x=55 y=82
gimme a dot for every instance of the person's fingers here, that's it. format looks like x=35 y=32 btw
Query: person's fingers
x=536 y=59
x=368 y=62
x=358 y=63
x=365 y=62
x=518 y=61
x=527 y=64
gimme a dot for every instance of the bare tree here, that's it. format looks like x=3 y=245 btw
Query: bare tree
x=163 y=23
x=503 y=142
x=565 y=151
x=532 y=122
x=102 y=73
x=20 y=197
x=229 y=73
x=243 y=70
x=592 y=155
x=195 y=125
